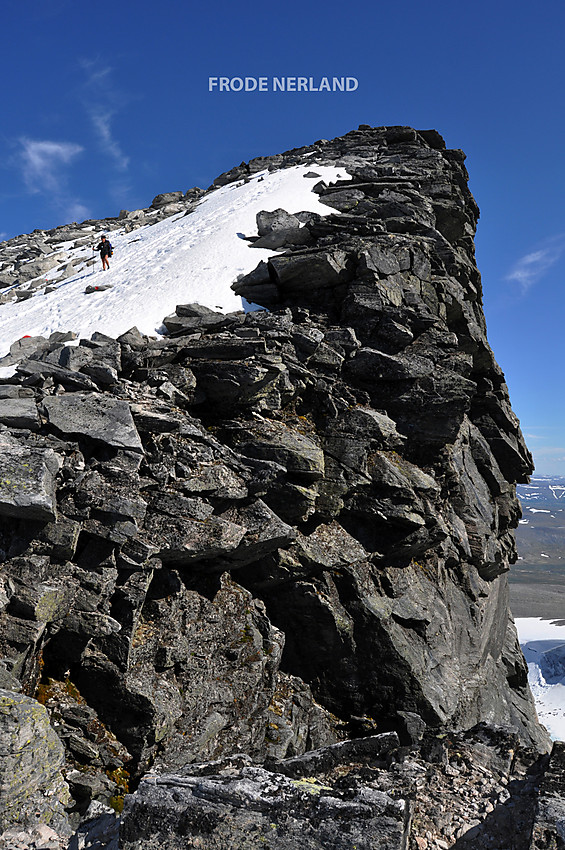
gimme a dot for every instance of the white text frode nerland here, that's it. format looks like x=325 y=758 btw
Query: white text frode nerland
x=283 y=84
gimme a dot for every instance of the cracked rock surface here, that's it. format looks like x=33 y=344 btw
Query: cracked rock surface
x=271 y=532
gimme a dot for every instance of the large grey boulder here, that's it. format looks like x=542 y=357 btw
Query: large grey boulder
x=27 y=482
x=182 y=540
x=166 y=198
x=279 y=219
x=96 y=416
x=225 y=384
x=322 y=270
x=45 y=370
x=299 y=805
x=278 y=228
x=19 y=413
x=32 y=789
x=34 y=268
x=283 y=238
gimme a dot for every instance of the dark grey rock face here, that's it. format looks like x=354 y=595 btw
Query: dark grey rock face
x=269 y=532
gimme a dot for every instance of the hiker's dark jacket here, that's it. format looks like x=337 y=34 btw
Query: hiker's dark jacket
x=105 y=248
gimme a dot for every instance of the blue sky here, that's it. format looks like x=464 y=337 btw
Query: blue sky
x=106 y=105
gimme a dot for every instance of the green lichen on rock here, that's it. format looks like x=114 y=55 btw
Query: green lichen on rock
x=32 y=789
x=27 y=483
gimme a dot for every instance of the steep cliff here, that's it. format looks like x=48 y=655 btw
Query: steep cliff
x=270 y=531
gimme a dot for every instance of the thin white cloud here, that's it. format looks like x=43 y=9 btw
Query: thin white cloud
x=531 y=267
x=102 y=125
x=43 y=164
x=76 y=211
x=102 y=102
x=555 y=452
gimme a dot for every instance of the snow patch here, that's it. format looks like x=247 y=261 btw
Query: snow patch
x=184 y=258
x=543 y=645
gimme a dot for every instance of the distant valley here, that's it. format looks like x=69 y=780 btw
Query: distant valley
x=537 y=580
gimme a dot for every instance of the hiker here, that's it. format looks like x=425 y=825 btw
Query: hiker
x=106 y=251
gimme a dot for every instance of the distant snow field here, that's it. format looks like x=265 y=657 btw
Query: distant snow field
x=179 y=260
x=543 y=645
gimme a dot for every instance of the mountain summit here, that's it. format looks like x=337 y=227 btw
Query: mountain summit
x=255 y=563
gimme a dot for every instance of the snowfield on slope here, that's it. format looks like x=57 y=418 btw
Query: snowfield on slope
x=183 y=259
x=543 y=645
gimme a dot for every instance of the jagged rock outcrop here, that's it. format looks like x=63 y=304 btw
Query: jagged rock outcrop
x=271 y=531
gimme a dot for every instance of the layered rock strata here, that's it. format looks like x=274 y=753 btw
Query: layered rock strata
x=271 y=531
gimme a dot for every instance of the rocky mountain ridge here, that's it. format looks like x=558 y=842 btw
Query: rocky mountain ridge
x=271 y=532
x=39 y=262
